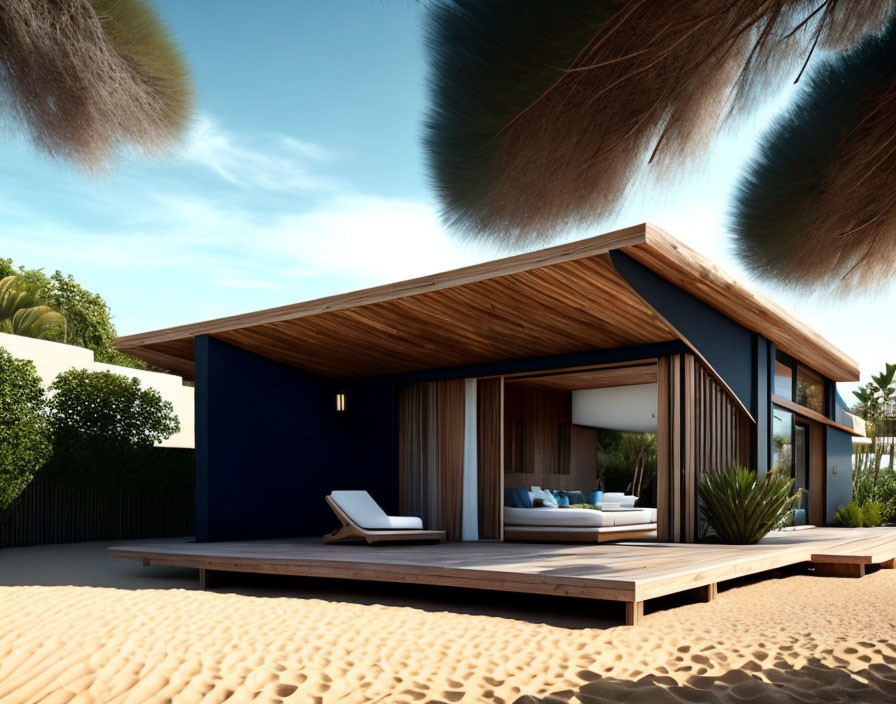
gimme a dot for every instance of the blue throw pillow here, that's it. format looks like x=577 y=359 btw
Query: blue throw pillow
x=523 y=500
x=509 y=498
x=575 y=497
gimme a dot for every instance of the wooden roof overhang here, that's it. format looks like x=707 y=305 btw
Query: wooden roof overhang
x=560 y=300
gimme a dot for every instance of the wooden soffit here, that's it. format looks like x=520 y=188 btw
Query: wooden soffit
x=560 y=300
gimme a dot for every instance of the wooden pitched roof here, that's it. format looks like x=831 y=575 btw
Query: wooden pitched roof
x=563 y=299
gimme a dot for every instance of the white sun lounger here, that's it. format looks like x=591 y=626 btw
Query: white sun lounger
x=363 y=520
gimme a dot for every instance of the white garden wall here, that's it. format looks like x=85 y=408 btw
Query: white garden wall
x=52 y=358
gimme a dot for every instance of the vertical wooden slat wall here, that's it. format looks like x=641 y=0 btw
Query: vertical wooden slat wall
x=46 y=513
x=431 y=453
x=490 y=468
x=699 y=427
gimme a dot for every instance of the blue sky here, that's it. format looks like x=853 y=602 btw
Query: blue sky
x=303 y=176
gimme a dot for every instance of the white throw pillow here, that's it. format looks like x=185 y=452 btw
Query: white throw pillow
x=547 y=498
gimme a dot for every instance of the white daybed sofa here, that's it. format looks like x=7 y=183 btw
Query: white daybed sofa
x=580 y=525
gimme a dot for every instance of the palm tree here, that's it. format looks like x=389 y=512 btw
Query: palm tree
x=885 y=392
x=84 y=77
x=546 y=112
x=23 y=313
x=877 y=405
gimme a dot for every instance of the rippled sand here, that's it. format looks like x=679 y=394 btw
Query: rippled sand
x=800 y=638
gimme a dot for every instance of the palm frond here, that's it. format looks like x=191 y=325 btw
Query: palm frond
x=545 y=113
x=15 y=295
x=818 y=204
x=39 y=321
x=86 y=76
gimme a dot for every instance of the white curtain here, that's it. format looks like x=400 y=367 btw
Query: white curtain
x=470 y=515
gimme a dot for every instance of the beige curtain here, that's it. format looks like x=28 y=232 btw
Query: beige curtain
x=431 y=453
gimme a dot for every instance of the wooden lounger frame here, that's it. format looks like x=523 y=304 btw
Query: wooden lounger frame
x=351 y=532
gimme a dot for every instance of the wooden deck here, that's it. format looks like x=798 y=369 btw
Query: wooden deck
x=631 y=572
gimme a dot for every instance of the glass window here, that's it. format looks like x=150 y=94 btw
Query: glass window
x=783 y=380
x=810 y=389
x=782 y=436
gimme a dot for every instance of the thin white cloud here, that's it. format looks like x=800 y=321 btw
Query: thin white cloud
x=277 y=163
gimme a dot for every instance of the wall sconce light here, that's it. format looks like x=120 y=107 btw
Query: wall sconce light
x=340 y=402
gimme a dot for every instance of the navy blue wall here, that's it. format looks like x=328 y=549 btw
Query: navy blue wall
x=839 y=471
x=727 y=346
x=764 y=379
x=270 y=445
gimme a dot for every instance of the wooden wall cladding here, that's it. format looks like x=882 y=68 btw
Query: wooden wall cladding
x=699 y=427
x=541 y=445
x=490 y=414
x=533 y=419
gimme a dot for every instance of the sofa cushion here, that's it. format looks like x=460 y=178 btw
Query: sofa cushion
x=546 y=497
x=517 y=498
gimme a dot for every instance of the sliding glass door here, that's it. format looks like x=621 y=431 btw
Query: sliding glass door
x=791 y=454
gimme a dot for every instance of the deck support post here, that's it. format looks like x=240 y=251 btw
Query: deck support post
x=889 y=564
x=839 y=569
x=634 y=612
x=203 y=579
x=708 y=592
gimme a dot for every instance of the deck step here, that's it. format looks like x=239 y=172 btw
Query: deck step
x=878 y=549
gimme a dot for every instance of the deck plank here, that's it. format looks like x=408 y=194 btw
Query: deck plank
x=627 y=571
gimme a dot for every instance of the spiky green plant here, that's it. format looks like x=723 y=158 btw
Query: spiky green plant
x=741 y=507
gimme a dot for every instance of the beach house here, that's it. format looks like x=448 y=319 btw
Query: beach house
x=437 y=394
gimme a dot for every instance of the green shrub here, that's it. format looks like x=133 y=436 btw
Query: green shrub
x=884 y=492
x=872 y=513
x=850 y=515
x=742 y=508
x=24 y=444
x=104 y=427
x=861 y=512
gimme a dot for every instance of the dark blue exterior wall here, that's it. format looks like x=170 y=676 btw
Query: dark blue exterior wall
x=727 y=346
x=764 y=379
x=839 y=471
x=270 y=445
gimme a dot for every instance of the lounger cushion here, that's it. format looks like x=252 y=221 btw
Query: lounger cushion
x=405 y=523
x=360 y=507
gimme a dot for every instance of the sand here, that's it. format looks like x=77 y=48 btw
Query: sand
x=798 y=638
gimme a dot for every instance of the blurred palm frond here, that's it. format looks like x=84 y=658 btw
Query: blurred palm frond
x=544 y=114
x=818 y=204
x=87 y=76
